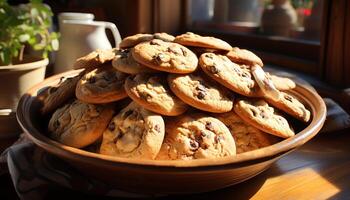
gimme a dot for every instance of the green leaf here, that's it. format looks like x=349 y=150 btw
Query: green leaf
x=55 y=44
x=24 y=37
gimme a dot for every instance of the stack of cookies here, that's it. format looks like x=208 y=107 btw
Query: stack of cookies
x=169 y=98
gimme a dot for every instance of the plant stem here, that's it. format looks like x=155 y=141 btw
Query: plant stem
x=21 y=53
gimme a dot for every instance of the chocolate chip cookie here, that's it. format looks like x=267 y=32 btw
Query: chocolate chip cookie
x=101 y=85
x=236 y=77
x=261 y=115
x=243 y=56
x=164 y=36
x=282 y=83
x=124 y=62
x=200 y=92
x=291 y=105
x=94 y=59
x=133 y=40
x=165 y=56
x=134 y=133
x=196 y=136
x=78 y=124
x=152 y=92
x=191 y=39
x=55 y=96
x=247 y=137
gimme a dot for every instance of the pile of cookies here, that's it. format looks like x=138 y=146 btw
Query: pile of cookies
x=165 y=97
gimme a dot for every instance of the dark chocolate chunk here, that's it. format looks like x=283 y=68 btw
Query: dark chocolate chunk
x=92 y=79
x=201 y=95
x=209 y=126
x=111 y=126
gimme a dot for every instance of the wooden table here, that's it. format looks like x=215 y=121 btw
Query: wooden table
x=318 y=170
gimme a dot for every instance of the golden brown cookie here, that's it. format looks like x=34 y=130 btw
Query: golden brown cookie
x=200 y=92
x=196 y=136
x=164 y=36
x=243 y=56
x=152 y=92
x=124 y=62
x=134 y=133
x=94 y=59
x=191 y=39
x=247 y=137
x=55 y=96
x=78 y=124
x=282 y=83
x=133 y=40
x=259 y=114
x=236 y=77
x=165 y=56
x=101 y=85
x=291 y=105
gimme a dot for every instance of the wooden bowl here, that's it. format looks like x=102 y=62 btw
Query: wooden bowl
x=167 y=177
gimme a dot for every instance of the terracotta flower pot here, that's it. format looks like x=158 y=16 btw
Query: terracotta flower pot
x=15 y=80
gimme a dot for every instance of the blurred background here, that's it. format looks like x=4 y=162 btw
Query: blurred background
x=308 y=36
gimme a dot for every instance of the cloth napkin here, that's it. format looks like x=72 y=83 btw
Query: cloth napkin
x=34 y=171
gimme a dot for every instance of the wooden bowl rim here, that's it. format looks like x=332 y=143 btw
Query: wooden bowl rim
x=314 y=101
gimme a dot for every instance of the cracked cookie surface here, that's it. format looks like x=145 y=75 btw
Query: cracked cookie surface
x=196 y=136
x=133 y=40
x=95 y=59
x=78 y=124
x=134 y=133
x=291 y=105
x=200 y=92
x=191 y=39
x=124 y=62
x=101 y=85
x=247 y=137
x=237 y=78
x=54 y=96
x=243 y=56
x=152 y=92
x=258 y=113
x=165 y=56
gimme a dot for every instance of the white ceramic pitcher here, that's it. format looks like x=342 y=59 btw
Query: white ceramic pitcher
x=80 y=34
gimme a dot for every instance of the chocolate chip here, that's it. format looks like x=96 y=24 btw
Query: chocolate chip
x=117 y=138
x=155 y=42
x=201 y=87
x=111 y=126
x=203 y=134
x=157 y=128
x=201 y=95
x=209 y=126
x=145 y=96
x=172 y=50
x=288 y=98
x=218 y=138
x=56 y=124
x=99 y=108
x=246 y=74
x=254 y=112
x=159 y=58
x=62 y=79
x=184 y=52
x=209 y=55
x=194 y=144
x=213 y=69
x=92 y=79
x=52 y=90
x=127 y=113
x=237 y=70
x=124 y=53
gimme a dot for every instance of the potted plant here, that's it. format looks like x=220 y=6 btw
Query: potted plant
x=22 y=27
